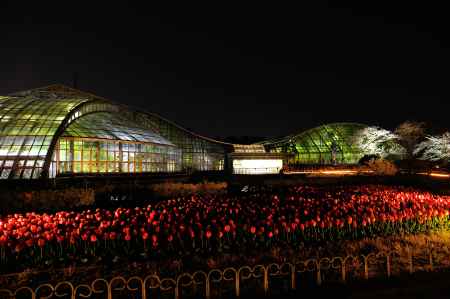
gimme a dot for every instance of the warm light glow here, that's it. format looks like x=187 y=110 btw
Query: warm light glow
x=331 y=172
x=355 y=172
x=441 y=175
x=436 y=174
x=339 y=172
x=255 y=166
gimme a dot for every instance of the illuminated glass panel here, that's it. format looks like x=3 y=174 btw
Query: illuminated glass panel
x=257 y=166
x=106 y=142
x=251 y=148
x=106 y=125
x=30 y=119
x=327 y=144
x=198 y=153
x=88 y=155
x=28 y=122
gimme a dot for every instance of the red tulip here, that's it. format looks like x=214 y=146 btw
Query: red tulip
x=48 y=236
x=18 y=247
x=29 y=242
x=112 y=235
x=41 y=242
x=93 y=238
x=349 y=220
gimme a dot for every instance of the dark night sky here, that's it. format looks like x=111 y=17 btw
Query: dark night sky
x=233 y=70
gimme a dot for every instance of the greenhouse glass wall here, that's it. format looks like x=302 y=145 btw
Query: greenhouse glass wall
x=326 y=145
x=90 y=145
x=198 y=153
x=59 y=131
x=85 y=155
x=56 y=130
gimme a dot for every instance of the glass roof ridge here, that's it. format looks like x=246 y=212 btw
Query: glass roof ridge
x=59 y=90
x=32 y=121
x=113 y=127
x=286 y=138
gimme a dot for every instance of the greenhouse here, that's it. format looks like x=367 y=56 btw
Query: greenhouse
x=56 y=130
x=326 y=144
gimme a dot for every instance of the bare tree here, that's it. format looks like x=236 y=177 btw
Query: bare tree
x=409 y=135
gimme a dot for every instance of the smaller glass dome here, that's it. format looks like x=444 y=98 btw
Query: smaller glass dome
x=326 y=144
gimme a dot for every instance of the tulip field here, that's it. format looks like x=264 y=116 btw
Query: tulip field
x=212 y=224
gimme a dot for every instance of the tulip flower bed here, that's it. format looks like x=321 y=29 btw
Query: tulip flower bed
x=212 y=224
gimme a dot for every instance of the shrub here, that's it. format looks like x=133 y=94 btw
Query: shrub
x=366 y=159
x=181 y=189
x=47 y=199
x=382 y=167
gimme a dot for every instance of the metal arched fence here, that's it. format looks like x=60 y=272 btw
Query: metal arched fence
x=210 y=284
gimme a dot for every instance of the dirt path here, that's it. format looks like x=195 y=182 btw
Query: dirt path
x=419 y=285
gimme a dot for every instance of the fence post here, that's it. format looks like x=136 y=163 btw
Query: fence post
x=343 y=272
x=388 y=264
x=209 y=279
x=366 y=266
x=177 y=292
x=266 y=280
x=318 y=274
x=237 y=284
x=293 y=278
x=208 y=288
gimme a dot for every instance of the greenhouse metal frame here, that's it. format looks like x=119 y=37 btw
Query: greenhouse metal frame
x=51 y=131
x=325 y=144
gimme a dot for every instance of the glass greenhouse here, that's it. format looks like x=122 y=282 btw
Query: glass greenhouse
x=199 y=153
x=57 y=130
x=326 y=144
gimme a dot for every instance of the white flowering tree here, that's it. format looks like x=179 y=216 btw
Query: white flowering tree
x=434 y=148
x=377 y=141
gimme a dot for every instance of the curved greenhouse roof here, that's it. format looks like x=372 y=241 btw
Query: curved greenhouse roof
x=57 y=130
x=31 y=122
x=325 y=144
x=106 y=125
